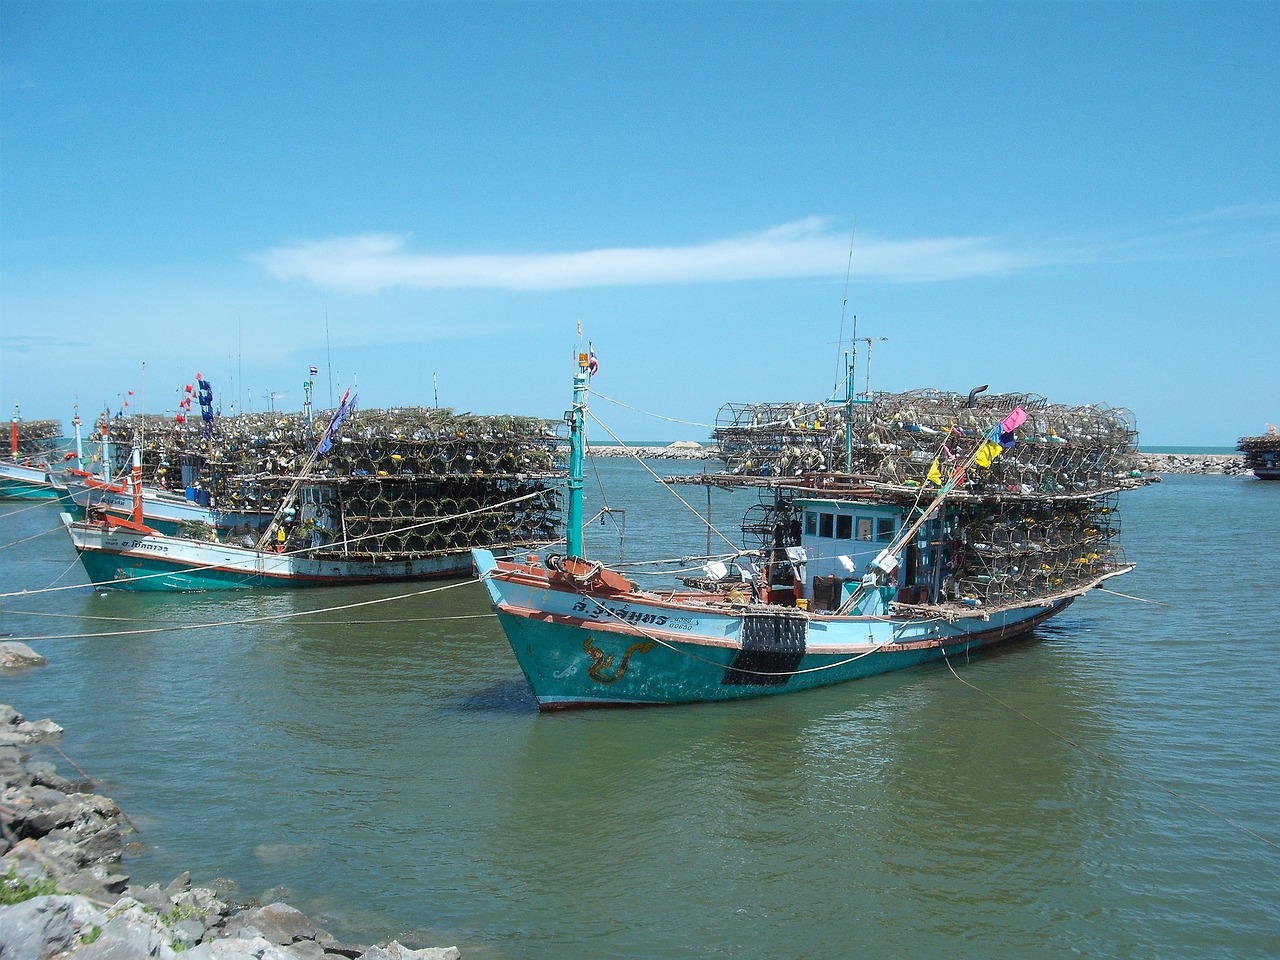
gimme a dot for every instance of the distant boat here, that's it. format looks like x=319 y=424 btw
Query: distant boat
x=126 y=555
x=162 y=510
x=1262 y=454
x=305 y=543
x=28 y=477
x=586 y=636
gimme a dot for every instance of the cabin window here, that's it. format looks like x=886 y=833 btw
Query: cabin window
x=884 y=529
x=826 y=522
x=810 y=523
x=864 y=528
x=844 y=528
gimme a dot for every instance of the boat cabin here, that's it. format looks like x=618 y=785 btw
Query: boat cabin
x=839 y=539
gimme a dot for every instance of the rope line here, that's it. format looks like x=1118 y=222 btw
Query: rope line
x=657 y=416
x=1159 y=603
x=640 y=461
x=266 y=618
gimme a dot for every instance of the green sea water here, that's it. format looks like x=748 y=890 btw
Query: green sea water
x=1108 y=788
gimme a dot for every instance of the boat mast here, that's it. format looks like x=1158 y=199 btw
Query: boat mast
x=577 y=445
x=136 y=483
x=13 y=436
x=106 y=445
x=848 y=413
x=79 y=440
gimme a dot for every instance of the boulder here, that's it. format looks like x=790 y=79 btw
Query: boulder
x=14 y=655
x=398 y=951
x=276 y=923
x=44 y=926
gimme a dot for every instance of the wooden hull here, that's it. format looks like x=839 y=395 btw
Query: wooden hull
x=122 y=559
x=583 y=648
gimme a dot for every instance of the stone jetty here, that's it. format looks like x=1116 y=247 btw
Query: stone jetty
x=1229 y=464
x=63 y=891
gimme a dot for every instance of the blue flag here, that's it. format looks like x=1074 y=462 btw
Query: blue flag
x=345 y=409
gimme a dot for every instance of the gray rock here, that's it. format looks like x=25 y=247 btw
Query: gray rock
x=200 y=899
x=247 y=949
x=112 y=949
x=179 y=884
x=46 y=775
x=305 y=950
x=12 y=772
x=44 y=926
x=189 y=930
x=140 y=933
x=9 y=716
x=152 y=897
x=277 y=923
x=398 y=951
x=14 y=654
x=40 y=729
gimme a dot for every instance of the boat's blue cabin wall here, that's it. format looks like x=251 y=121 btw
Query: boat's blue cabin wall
x=840 y=538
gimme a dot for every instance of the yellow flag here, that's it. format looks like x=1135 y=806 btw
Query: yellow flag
x=935 y=473
x=987 y=452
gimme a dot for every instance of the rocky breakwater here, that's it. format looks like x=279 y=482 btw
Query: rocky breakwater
x=63 y=891
x=1228 y=464
x=680 y=450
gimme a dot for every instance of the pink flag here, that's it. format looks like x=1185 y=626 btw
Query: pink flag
x=1013 y=421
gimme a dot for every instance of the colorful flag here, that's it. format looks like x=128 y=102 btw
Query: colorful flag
x=314 y=371
x=1001 y=438
x=990 y=448
x=345 y=409
x=1016 y=418
x=592 y=365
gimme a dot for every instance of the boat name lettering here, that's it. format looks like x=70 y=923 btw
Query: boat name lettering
x=144 y=545
x=623 y=613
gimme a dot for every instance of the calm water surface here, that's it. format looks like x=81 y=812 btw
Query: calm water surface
x=1093 y=791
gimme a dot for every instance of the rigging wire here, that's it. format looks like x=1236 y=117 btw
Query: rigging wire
x=844 y=304
x=657 y=416
x=630 y=452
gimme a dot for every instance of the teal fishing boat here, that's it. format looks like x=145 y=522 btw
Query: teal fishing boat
x=856 y=576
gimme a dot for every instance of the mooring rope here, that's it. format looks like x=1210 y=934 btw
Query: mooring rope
x=266 y=618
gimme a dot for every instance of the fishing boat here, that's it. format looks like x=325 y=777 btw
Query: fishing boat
x=306 y=543
x=162 y=510
x=857 y=575
x=1262 y=454
x=25 y=476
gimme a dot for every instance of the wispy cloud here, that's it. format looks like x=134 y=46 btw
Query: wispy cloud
x=806 y=248
x=1235 y=212
x=27 y=344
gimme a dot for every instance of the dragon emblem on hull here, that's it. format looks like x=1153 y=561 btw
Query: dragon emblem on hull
x=601 y=669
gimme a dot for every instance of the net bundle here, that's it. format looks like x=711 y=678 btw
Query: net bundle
x=896 y=438
x=1041 y=520
x=37 y=436
x=403 y=481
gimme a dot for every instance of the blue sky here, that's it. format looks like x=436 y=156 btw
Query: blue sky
x=1079 y=200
